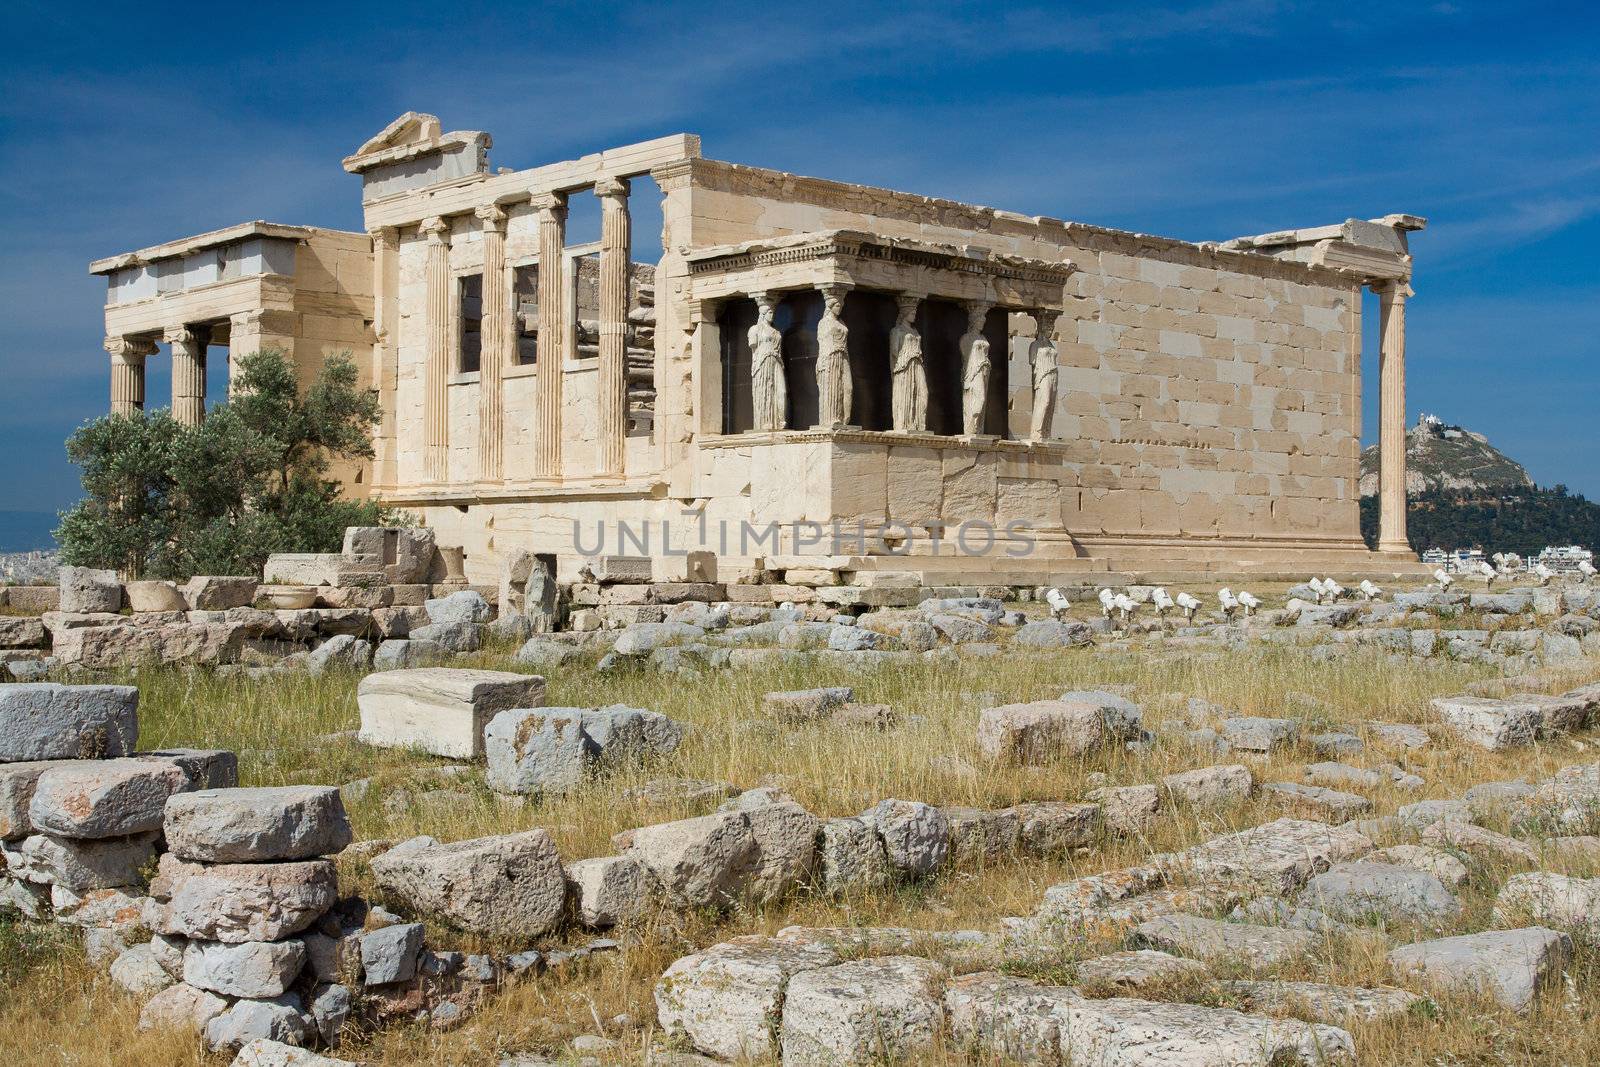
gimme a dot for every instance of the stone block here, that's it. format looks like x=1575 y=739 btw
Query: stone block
x=1055 y=828
x=247 y=969
x=980 y=838
x=889 y=1009
x=256 y=825
x=81 y=865
x=851 y=858
x=302 y=568
x=916 y=836
x=1512 y=967
x=85 y=590
x=1040 y=732
x=219 y=593
x=17 y=782
x=1211 y=786
x=1557 y=900
x=389 y=955
x=609 y=890
x=155 y=596
x=1214 y=941
x=238 y=902
x=105 y=798
x=1355 y=892
x=22 y=633
x=1490 y=723
x=806 y=705
x=280 y=1019
x=727 y=1001
x=48 y=720
x=181 y=1007
x=511 y=885
x=438 y=709
x=701 y=862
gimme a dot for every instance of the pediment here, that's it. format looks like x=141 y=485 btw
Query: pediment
x=409 y=129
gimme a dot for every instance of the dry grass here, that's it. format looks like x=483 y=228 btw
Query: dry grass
x=54 y=1008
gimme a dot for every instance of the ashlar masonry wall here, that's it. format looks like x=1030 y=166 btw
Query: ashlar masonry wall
x=1203 y=393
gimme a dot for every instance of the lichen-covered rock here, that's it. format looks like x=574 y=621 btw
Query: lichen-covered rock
x=254 y=825
x=786 y=848
x=981 y=837
x=863 y=1012
x=1014 y=1018
x=1055 y=828
x=1137 y=969
x=139 y=972
x=511 y=884
x=1488 y=722
x=1326 y=1003
x=1136 y=1033
x=727 y=1000
x=1279 y=856
x=181 y=1007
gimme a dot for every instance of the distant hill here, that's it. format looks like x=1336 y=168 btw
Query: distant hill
x=27 y=531
x=1441 y=457
x=1462 y=492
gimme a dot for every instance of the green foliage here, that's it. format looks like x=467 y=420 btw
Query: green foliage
x=170 y=501
x=1501 y=520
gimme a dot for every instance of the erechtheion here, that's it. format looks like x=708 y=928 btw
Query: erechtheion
x=813 y=373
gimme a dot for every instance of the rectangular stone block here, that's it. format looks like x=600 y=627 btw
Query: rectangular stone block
x=441 y=710
x=48 y=720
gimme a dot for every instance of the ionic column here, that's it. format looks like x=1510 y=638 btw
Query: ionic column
x=496 y=344
x=551 y=209
x=127 y=373
x=612 y=384
x=385 y=369
x=188 y=374
x=435 y=396
x=1392 y=420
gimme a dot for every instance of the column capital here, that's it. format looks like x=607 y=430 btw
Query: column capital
x=493 y=216
x=129 y=349
x=436 y=230
x=835 y=288
x=607 y=188
x=385 y=237
x=548 y=203
x=1044 y=321
x=908 y=300
x=179 y=335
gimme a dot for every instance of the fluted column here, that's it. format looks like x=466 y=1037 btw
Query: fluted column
x=1392 y=420
x=385 y=368
x=551 y=209
x=496 y=344
x=615 y=246
x=127 y=373
x=435 y=397
x=188 y=374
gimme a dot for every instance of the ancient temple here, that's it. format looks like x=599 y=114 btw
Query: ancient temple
x=813 y=372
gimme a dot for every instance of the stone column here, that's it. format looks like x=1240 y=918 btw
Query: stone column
x=1392 y=420
x=612 y=383
x=496 y=344
x=188 y=374
x=385 y=369
x=436 y=368
x=127 y=373
x=976 y=367
x=552 y=213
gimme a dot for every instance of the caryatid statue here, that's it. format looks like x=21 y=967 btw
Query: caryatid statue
x=833 y=361
x=910 y=377
x=1043 y=360
x=769 y=393
x=975 y=369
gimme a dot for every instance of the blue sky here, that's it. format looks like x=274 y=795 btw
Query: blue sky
x=125 y=125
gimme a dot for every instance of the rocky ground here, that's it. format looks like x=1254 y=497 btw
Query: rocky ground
x=1339 y=832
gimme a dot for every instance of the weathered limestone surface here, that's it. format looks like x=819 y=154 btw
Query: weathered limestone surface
x=862 y=1012
x=441 y=710
x=238 y=902
x=1214 y=941
x=511 y=884
x=252 y=825
x=1041 y=731
x=728 y=1000
x=1511 y=966
x=105 y=798
x=48 y=720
